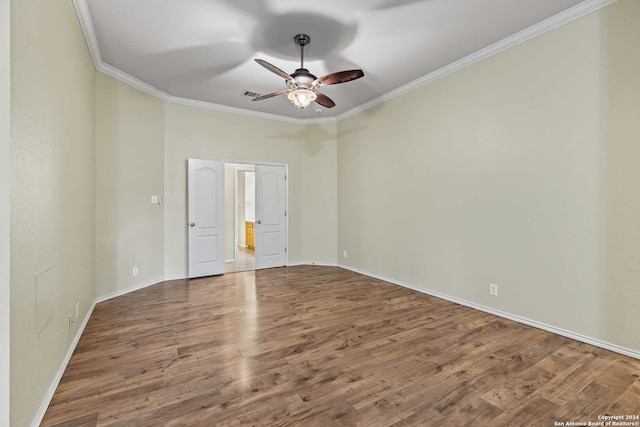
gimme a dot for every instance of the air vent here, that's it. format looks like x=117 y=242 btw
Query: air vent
x=251 y=94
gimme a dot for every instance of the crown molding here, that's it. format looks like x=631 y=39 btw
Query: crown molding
x=579 y=10
x=157 y=93
x=241 y=111
x=86 y=24
x=84 y=17
x=132 y=81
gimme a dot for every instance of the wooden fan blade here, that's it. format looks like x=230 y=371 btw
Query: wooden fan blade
x=340 y=77
x=274 y=69
x=270 y=95
x=324 y=100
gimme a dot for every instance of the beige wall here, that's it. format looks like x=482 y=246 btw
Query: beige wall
x=141 y=148
x=142 y=145
x=129 y=169
x=621 y=151
x=519 y=170
x=5 y=165
x=310 y=152
x=52 y=191
x=88 y=152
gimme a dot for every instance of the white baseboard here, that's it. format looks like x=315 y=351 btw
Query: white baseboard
x=559 y=331
x=323 y=264
x=63 y=366
x=129 y=290
x=178 y=277
x=555 y=330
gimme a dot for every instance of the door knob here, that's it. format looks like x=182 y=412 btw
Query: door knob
x=259 y=221
x=193 y=224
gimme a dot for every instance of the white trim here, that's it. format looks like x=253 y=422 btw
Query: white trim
x=129 y=290
x=313 y=263
x=244 y=112
x=575 y=12
x=82 y=11
x=558 y=331
x=555 y=330
x=133 y=82
x=172 y=278
x=251 y=162
x=236 y=223
x=286 y=215
x=535 y=30
x=286 y=182
x=63 y=366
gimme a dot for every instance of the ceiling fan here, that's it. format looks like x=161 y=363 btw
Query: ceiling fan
x=302 y=84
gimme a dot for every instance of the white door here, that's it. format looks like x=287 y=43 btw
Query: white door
x=206 y=217
x=271 y=216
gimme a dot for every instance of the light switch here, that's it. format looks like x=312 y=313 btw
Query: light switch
x=155 y=199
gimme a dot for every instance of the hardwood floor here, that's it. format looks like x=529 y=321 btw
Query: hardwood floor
x=323 y=346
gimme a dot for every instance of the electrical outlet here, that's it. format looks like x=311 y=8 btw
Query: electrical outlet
x=493 y=289
x=135 y=271
x=77 y=309
x=370 y=260
x=344 y=254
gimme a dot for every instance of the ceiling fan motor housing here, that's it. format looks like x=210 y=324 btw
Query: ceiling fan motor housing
x=303 y=79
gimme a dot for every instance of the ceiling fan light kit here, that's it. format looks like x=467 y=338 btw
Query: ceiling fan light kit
x=302 y=84
x=301 y=98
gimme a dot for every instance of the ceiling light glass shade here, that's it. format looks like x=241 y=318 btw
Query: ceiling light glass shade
x=301 y=98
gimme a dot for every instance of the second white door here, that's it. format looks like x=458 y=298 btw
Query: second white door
x=205 y=217
x=271 y=216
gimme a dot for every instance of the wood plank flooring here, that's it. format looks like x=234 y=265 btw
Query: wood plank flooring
x=323 y=346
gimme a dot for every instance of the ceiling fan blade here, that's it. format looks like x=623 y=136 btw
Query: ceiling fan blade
x=270 y=95
x=324 y=100
x=340 y=77
x=274 y=69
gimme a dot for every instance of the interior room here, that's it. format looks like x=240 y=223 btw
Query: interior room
x=502 y=180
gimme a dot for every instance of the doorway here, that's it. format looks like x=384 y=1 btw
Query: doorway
x=256 y=222
x=240 y=205
x=233 y=227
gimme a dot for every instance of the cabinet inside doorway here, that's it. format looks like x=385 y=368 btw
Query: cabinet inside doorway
x=250 y=235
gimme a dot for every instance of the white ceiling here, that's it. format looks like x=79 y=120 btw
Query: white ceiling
x=201 y=52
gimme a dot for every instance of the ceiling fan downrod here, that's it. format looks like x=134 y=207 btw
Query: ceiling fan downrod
x=302 y=40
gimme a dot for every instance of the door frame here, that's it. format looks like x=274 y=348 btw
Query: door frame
x=226 y=160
